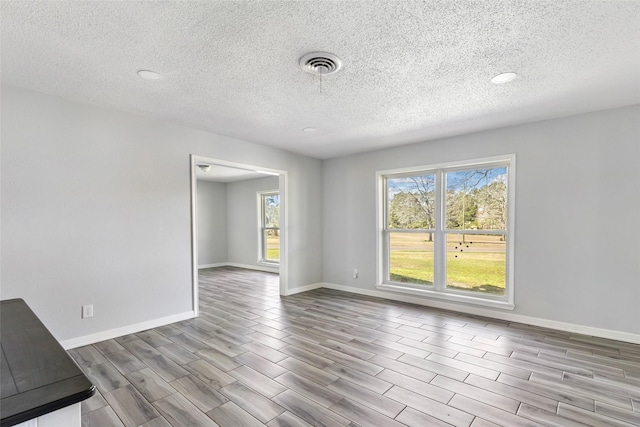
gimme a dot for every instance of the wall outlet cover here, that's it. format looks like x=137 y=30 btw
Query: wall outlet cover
x=87 y=311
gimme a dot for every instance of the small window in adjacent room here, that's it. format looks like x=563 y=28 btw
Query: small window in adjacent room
x=269 y=235
x=447 y=230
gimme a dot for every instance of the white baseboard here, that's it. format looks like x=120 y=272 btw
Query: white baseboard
x=508 y=316
x=254 y=267
x=304 y=288
x=266 y=268
x=125 y=330
x=217 y=264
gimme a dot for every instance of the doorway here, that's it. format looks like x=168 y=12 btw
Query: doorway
x=243 y=222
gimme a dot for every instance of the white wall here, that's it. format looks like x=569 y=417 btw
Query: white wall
x=212 y=222
x=577 y=250
x=242 y=219
x=96 y=210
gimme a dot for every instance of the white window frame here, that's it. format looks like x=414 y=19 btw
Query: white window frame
x=262 y=229
x=439 y=289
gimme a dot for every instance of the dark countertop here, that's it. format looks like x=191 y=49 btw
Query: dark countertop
x=37 y=375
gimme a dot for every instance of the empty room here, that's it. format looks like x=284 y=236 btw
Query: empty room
x=320 y=213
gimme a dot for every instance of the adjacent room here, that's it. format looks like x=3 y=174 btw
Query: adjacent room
x=237 y=219
x=320 y=213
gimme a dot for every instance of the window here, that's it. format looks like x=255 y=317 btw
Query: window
x=269 y=203
x=447 y=230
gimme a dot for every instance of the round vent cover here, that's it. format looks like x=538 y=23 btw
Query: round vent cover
x=321 y=63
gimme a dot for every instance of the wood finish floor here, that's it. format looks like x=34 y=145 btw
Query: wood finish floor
x=328 y=358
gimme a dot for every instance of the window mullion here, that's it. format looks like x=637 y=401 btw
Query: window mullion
x=386 y=271
x=386 y=255
x=264 y=244
x=440 y=247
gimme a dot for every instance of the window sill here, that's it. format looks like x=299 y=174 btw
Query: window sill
x=467 y=299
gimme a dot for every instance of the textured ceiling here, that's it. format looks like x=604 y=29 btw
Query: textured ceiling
x=413 y=71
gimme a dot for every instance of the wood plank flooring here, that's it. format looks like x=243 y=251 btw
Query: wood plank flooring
x=329 y=358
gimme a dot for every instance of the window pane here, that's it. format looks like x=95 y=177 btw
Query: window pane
x=411 y=202
x=272 y=210
x=411 y=258
x=476 y=263
x=476 y=199
x=273 y=245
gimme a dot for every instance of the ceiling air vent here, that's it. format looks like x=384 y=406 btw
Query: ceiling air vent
x=321 y=63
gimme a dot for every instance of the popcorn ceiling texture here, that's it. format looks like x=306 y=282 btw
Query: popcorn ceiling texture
x=412 y=71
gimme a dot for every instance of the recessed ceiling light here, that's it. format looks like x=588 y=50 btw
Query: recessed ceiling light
x=503 y=78
x=309 y=129
x=149 y=75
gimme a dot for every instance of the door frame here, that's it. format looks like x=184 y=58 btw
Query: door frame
x=284 y=232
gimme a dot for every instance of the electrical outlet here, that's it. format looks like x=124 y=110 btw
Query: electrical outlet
x=87 y=311
x=355 y=273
